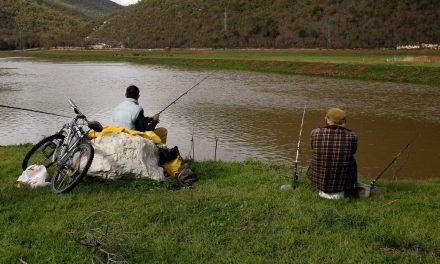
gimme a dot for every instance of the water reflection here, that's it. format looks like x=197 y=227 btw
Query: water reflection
x=254 y=115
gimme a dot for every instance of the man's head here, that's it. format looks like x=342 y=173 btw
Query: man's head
x=335 y=116
x=132 y=92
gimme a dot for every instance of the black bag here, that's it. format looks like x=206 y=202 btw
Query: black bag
x=167 y=155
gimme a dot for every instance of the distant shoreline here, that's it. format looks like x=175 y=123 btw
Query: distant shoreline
x=406 y=66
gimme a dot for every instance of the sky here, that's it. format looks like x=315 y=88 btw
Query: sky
x=125 y=2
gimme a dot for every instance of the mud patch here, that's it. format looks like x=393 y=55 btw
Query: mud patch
x=354 y=69
x=326 y=69
x=399 y=244
x=398 y=73
x=405 y=251
x=391 y=250
x=255 y=63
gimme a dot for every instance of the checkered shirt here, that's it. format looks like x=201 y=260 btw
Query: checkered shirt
x=333 y=167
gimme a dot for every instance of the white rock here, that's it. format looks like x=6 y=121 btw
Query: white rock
x=121 y=155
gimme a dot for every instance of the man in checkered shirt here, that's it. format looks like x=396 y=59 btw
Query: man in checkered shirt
x=333 y=170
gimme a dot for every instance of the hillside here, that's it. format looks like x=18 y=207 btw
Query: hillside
x=89 y=8
x=48 y=23
x=273 y=24
x=29 y=24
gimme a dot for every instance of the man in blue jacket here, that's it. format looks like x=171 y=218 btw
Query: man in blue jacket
x=129 y=114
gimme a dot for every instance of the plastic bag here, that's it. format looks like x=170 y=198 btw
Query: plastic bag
x=35 y=176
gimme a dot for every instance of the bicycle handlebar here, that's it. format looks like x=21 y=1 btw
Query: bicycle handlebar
x=95 y=125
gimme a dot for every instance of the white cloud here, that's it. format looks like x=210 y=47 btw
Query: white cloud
x=125 y=2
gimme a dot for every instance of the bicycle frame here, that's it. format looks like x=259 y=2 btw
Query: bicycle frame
x=74 y=135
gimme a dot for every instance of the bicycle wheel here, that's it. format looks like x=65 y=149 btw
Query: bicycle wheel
x=44 y=152
x=70 y=172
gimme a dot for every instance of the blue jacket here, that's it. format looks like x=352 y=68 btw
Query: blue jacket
x=126 y=113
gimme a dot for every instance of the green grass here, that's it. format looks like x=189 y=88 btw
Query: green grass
x=234 y=214
x=377 y=65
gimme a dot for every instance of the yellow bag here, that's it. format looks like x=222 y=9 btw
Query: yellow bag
x=118 y=129
x=174 y=167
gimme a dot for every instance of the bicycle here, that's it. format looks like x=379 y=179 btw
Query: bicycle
x=69 y=150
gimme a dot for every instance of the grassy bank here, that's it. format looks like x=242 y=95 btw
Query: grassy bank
x=421 y=67
x=234 y=214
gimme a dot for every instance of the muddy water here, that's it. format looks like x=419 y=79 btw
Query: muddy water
x=253 y=115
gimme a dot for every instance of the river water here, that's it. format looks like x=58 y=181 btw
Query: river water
x=253 y=115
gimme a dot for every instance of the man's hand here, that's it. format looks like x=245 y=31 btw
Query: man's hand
x=155 y=117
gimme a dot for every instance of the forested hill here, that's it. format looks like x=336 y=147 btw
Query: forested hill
x=48 y=23
x=273 y=23
x=89 y=8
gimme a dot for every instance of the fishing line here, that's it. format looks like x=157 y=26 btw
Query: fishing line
x=394 y=160
x=173 y=102
x=400 y=163
x=34 y=111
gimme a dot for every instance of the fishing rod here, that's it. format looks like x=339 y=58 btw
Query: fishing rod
x=32 y=110
x=295 y=168
x=373 y=182
x=173 y=102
